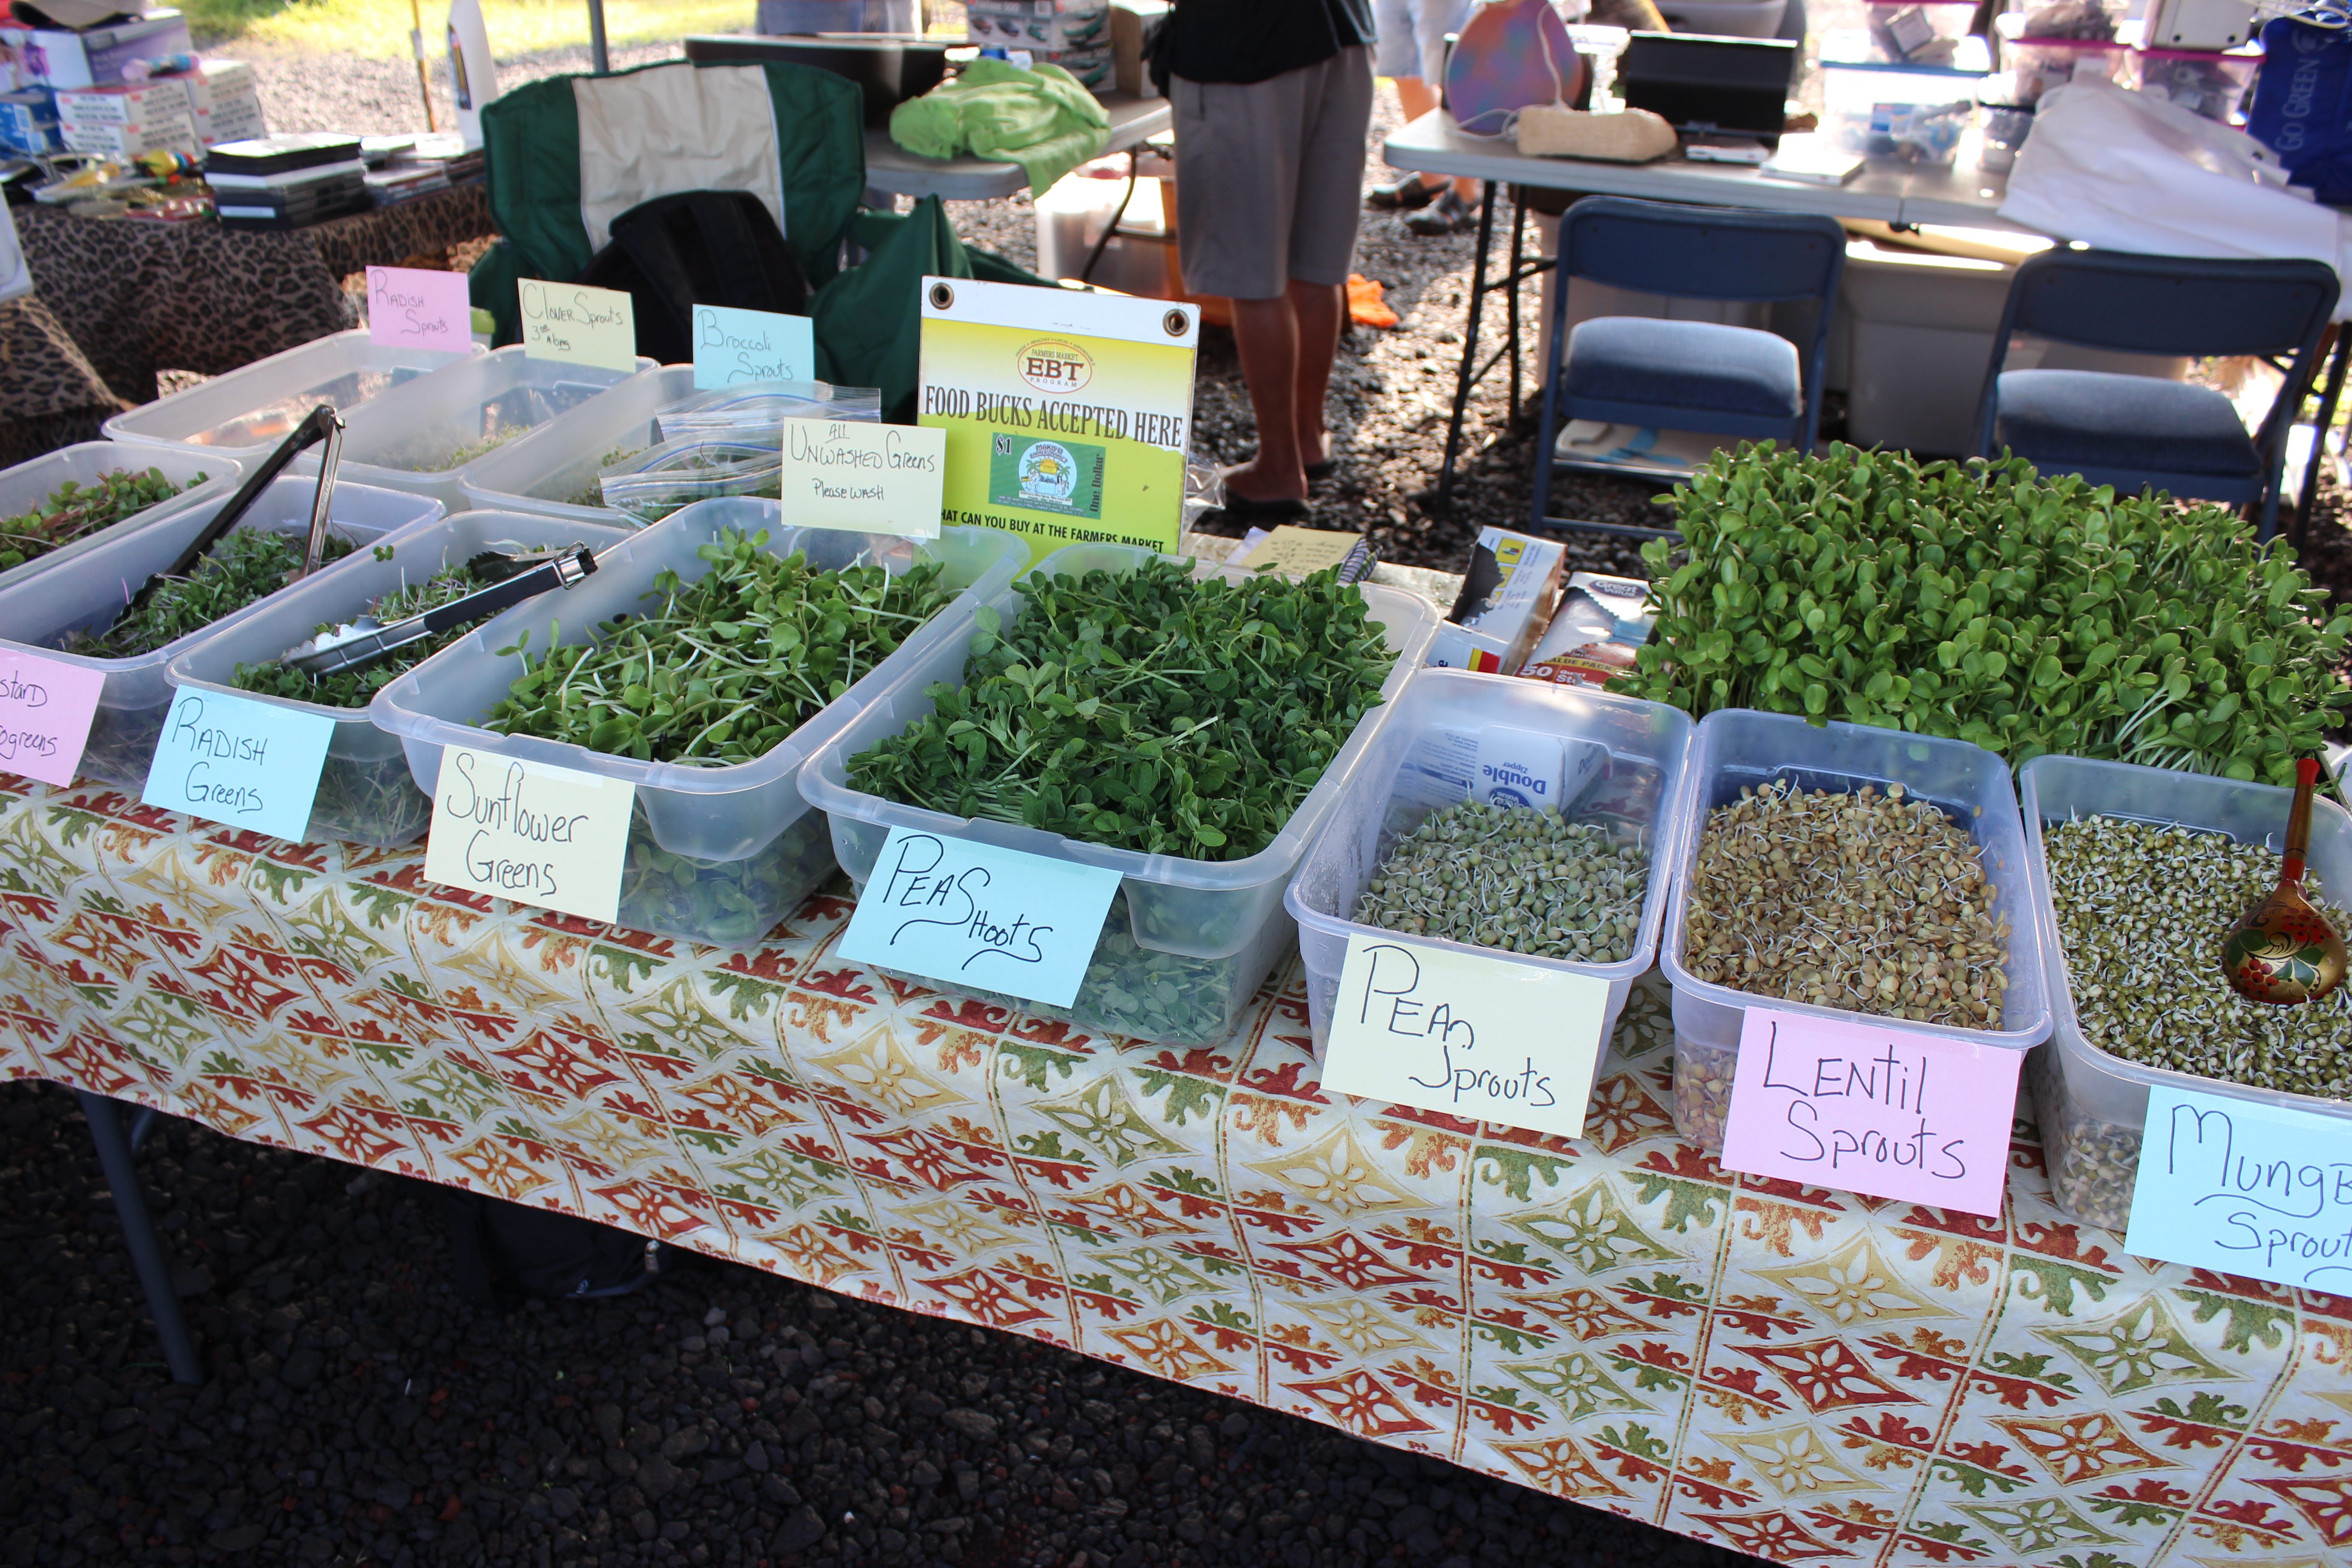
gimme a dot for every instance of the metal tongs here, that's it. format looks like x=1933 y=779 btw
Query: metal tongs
x=321 y=423
x=365 y=640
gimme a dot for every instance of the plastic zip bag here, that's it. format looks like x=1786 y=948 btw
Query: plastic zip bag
x=754 y=410
x=650 y=485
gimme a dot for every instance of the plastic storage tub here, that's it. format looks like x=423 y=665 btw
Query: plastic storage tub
x=2035 y=65
x=553 y=470
x=365 y=794
x=716 y=854
x=2093 y=1105
x=25 y=486
x=1647 y=743
x=1188 y=942
x=1740 y=748
x=1918 y=32
x=420 y=437
x=2202 y=82
x=1896 y=113
x=248 y=412
x=85 y=592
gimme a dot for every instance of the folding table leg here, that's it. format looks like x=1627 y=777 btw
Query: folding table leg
x=2328 y=400
x=139 y=1232
x=1442 y=497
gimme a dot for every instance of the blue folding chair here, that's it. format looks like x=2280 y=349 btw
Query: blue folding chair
x=1686 y=376
x=2136 y=431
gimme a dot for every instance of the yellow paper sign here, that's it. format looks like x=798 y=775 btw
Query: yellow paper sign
x=1297 y=552
x=875 y=478
x=1482 y=1038
x=527 y=831
x=586 y=326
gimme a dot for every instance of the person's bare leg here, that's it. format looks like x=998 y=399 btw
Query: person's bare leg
x=1417 y=97
x=1267 y=333
x=1320 y=310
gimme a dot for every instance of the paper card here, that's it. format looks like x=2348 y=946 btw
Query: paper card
x=239 y=762
x=1873 y=1108
x=1466 y=1035
x=582 y=325
x=875 y=479
x=2263 y=1191
x=732 y=346
x=1298 y=552
x=415 y=306
x=46 y=707
x=531 y=832
x=978 y=916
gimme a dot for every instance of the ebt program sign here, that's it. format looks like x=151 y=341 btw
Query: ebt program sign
x=1065 y=415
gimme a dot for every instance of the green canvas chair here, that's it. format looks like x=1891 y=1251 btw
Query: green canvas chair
x=568 y=154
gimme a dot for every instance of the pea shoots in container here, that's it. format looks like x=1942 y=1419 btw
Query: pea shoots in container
x=1848 y=871
x=1187 y=727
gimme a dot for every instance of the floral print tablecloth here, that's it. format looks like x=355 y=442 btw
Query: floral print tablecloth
x=1802 y=1375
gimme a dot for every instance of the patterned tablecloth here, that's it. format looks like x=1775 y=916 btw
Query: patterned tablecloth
x=1800 y=1373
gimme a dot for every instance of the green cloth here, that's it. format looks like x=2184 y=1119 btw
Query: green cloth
x=1041 y=119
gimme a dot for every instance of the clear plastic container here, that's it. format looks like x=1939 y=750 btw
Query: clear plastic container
x=2093 y=1105
x=2202 y=82
x=419 y=437
x=365 y=794
x=2007 y=124
x=201 y=476
x=553 y=470
x=1647 y=744
x=248 y=412
x=1740 y=748
x=753 y=410
x=1894 y=113
x=2035 y=65
x=716 y=854
x=1918 y=32
x=85 y=592
x=662 y=480
x=1188 y=942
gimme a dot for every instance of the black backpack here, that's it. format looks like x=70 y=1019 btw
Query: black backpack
x=502 y=1250
x=696 y=247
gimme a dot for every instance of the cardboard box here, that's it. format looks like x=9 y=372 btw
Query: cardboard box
x=175 y=135
x=1506 y=602
x=1133 y=26
x=128 y=104
x=1600 y=626
x=41 y=55
x=237 y=118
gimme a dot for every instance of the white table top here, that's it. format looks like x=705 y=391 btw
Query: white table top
x=1961 y=195
x=890 y=167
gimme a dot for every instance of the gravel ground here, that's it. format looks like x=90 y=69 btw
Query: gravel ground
x=358 y=1412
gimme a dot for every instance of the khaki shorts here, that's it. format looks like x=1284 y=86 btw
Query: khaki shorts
x=1270 y=176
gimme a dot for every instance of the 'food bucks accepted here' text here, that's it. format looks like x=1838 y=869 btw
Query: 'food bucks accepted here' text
x=1066 y=414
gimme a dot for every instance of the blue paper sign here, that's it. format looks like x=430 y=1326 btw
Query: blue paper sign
x=2243 y=1188
x=732 y=346
x=239 y=762
x=976 y=917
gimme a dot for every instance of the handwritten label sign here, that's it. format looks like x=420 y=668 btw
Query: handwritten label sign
x=240 y=762
x=415 y=306
x=531 y=832
x=46 y=707
x=877 y=478
x=2260 y=1191
x=1871 y=1109
x=1469 y=1035
x=974 y=915
x=732 y=346
x=572 y=321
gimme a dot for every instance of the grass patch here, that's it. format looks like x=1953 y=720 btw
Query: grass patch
x=380 y=27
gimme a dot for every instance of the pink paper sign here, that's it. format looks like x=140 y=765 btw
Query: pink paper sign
x=414 y=307
x=1871 y=1109
x=46 y=707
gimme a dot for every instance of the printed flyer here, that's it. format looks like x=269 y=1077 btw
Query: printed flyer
x=1066 y=413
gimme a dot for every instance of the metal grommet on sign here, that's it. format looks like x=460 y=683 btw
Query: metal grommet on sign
x=942 y=296
x=1176 y=322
